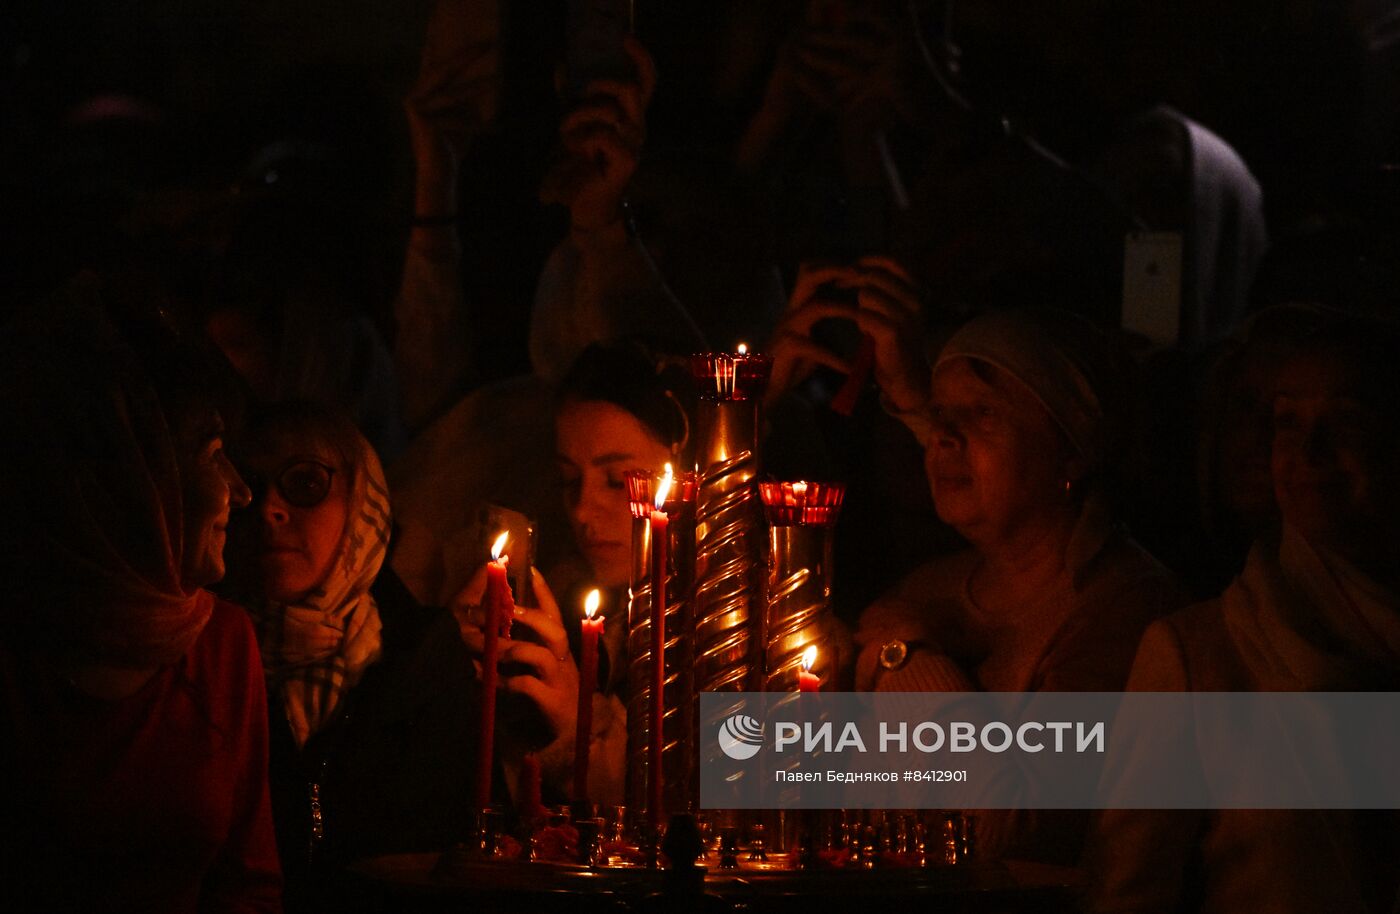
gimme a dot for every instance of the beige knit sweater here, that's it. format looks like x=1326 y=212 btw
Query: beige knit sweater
x=1079 y=636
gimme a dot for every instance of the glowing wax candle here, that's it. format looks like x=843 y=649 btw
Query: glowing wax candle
x=498 y=607
x=660 y=523
x=807 y=681
x=587 y=680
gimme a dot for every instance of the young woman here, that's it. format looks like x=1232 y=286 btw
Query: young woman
x=133 y=736
x=619 y=408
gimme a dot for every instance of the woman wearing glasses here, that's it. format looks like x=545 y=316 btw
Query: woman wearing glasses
x=373 y=707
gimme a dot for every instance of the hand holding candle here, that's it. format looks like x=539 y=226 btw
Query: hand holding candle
x=588 y=678
x=499 y=609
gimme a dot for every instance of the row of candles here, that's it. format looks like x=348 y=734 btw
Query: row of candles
x=738 y=381
x=498 y=605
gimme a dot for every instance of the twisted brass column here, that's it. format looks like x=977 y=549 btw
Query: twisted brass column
x=679 y=753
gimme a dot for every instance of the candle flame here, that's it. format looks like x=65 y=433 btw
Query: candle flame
x=799 y=490
x=590 y=602
x=809 y=657
x=664 y=488
x=499 y=546
x=742 y=349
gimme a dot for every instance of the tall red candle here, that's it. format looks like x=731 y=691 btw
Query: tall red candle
x=807 y=681
x=659 y=541
x=587 y=681
x=498 y=607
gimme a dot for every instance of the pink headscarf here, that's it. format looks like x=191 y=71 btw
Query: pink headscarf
x=93 y=482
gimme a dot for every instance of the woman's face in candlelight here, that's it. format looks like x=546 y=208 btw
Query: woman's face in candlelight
x=1334 y=454
x=996 y=458
x=293 y=545
x=211 y=488
x=598 y=442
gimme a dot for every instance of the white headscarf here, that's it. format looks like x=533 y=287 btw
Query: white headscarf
x=309 y=672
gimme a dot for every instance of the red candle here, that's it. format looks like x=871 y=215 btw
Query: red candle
x=587 y=680
x=531 y=802
x=659 y=525
x=807 y=681
x=498 y=608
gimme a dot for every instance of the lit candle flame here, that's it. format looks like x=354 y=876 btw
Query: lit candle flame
x=499 y=546
x=664 y=488
x=742 y=349
x=809 y=657
x=799 y=490
x=590 y=603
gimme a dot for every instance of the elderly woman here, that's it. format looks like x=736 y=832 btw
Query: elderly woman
x=133 y=737
x=372 y=698
x=1315 y=609
x=1052 y=594
x=1017 y=426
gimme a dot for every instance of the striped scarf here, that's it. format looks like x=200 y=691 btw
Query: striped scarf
x=315 y=651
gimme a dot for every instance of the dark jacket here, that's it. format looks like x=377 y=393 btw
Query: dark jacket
x=395 y=769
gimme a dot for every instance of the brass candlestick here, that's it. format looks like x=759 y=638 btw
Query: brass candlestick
x=729 y=532
x=679 y=700
x=729 y=527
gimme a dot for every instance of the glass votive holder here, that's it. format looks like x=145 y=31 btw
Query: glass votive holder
x=487 y=827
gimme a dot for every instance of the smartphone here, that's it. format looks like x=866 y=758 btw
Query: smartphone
x=520 y=546
x=596 y=29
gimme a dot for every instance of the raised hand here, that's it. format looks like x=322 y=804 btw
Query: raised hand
x=887 y=309
x=890 y=312
x=602 y=140
x=456 y=95
x=550 y=676
x=795 y=354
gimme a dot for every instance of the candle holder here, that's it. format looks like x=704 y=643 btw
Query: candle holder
x=797 y=625
x=802 y=517
x=680 y=700
x=729 y=533
x=729 y=523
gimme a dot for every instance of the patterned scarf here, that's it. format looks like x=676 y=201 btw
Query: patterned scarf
x=315 y=651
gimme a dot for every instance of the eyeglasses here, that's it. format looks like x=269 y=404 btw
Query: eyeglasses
x=304 y=484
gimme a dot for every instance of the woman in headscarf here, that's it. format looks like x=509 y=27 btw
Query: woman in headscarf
x=1052 y=593
x=133 y=737
x=1315 y=609
x=373 y=707
x=1018 y=431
